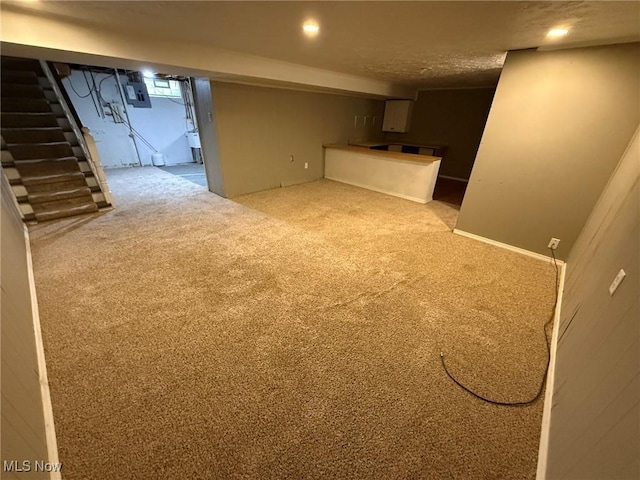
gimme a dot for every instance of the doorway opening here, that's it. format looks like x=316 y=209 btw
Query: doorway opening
x=450 y=190
x=138 y=118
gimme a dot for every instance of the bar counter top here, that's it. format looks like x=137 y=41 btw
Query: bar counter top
x=386 y=154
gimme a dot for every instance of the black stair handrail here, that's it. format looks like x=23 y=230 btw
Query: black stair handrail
x=63 y=91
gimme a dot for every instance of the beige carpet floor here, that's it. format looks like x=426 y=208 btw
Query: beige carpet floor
x=293 y=333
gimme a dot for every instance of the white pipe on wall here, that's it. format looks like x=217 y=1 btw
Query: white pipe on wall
x=126 y=112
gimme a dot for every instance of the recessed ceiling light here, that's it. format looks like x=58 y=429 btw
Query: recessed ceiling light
x=311 y=28
x=557 y=32
x=148 y=73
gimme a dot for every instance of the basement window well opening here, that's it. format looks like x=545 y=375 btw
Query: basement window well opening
x=160 y=87
x=138 y=119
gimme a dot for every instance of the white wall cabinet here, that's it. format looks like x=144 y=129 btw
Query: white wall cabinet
x=397 y=114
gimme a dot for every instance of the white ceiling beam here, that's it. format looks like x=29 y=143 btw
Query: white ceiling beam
x=28 y=34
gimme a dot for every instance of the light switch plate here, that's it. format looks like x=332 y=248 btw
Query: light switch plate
x=617 y=281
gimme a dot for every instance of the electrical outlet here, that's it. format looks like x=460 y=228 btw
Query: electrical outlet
x=617 y=281
x=306 y=165
x=553 y=244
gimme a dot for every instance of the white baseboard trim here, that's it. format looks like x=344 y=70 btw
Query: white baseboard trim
x=49 y=426
x=506 y=246
x=457 y=179
x=543 y=451
x=381 y=190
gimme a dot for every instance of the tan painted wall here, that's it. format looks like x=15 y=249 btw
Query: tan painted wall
x=452 y=117
x=559 y=122
x=595 y=416
x=259 y=128
x=22 y=428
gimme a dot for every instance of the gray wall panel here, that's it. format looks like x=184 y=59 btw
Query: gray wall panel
x=559 y=122
x=595 y=426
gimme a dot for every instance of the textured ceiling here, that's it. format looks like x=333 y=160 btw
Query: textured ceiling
x=425 y=44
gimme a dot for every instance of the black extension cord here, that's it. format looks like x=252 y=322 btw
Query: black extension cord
x=546 y=370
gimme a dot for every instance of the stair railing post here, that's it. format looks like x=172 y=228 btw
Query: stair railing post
x=98 y=171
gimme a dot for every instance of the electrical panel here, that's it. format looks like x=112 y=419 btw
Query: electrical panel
x=137 y=95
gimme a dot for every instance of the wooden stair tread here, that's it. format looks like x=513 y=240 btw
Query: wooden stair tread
x=55 y=210
x=52 y=178
x=50 y=144
x=12 y=77
x=32 y=163
x=36 y=151
x=21 y=91
x=33 y=135
x=25 y=105
x=47 y=167
x=62 y=194
x=15 y=64
x=60 y=183
x=29 y=119
x=7 y=71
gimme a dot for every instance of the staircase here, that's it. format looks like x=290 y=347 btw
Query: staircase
x=43 y=157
